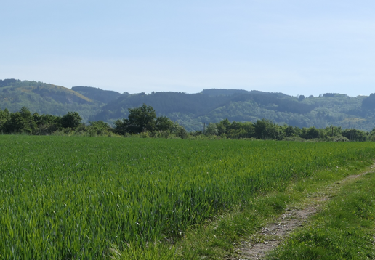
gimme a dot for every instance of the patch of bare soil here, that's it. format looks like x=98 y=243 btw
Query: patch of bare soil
x=273 y=234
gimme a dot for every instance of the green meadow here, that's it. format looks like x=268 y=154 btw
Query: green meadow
x=79 y=198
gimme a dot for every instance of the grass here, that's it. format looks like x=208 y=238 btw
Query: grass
x=343 y=230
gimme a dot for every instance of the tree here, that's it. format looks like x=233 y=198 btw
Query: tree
x=290 y=131
x=46 y=124
x=310 y=133
x=141 y=119
x=25 y=113
x=71 y=120
x=121 y=126
x=355 y=135
x=98 y=127
x=19 y=122
x=265 y=129
x=212 y=129
x=163 y=123
x=4 y=117
x=223 y=126
x=15 y=124
x=179 y=131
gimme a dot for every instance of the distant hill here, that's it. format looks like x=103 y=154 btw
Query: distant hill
x=97 y=94
x=192 y=110
x=230 y=92
x=44 y=98
x=223 y=92
x=199 y=104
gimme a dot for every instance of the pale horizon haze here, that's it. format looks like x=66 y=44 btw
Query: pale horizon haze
x=294 y=47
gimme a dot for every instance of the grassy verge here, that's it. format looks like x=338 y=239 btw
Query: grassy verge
x=343 y=230
x=218 y=237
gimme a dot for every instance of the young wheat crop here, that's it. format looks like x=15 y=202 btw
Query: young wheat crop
x=72 y=198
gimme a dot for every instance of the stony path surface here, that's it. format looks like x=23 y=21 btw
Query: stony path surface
x=273 y=234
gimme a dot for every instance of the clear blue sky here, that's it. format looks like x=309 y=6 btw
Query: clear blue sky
x=295 y=47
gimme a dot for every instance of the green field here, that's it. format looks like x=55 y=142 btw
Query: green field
x=74 y=197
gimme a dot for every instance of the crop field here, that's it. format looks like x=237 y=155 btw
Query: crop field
x=74 y=197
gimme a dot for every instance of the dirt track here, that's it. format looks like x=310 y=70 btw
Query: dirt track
x=274 y=233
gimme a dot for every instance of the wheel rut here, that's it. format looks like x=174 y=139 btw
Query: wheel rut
x=270 y=236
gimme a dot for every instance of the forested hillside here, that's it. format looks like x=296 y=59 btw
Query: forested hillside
x=212 y=106
x=44 y=98
x=192 y=110
x=97 y=94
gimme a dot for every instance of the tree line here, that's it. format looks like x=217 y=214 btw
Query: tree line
x=26 y=122
x=266 y=129
x=143 y=120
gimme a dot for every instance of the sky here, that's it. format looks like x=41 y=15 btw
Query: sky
x=307 y=47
